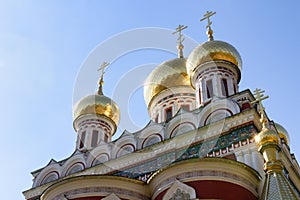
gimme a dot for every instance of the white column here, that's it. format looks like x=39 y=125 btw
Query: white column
x=197 y=95
x=216 y=85
x=254 y=153
x=247 y=157
x=230 y=86
x=88 y=140
x=204 y=90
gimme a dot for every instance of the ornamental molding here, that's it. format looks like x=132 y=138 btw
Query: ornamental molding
x=243 y=175
x=100 y=191
x=179 y=189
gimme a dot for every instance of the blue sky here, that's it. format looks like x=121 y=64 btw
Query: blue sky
x=44 y=45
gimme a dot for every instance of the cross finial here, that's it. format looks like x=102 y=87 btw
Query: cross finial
x=207 y=16
x=101 y=82
x=259 y=97
x=180 y=39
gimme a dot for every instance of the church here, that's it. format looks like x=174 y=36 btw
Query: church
x=206 y=139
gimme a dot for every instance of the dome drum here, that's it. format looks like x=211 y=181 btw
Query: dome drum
x=173 y=98
x=283 y=134
x=213 y=51
x=215 y=66
x=167 y=75
x=96 y=106
x=167 y=86
x=95 y=119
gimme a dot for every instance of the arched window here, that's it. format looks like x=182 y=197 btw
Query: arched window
x=105 y=137
x=209 y=89
x=224 y=86
x=152 y=139
x=168 y=113
x=103 y=157
x=234 y=88
x=75 y=168
x=126 y=149
x=52 y=176
x=95 y=134
x=200 y=96
x=156 y=118
x=82 y=139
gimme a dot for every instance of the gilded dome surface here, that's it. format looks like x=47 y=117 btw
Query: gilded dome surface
x=266 y=136
x=213 y=50
x=168 y=74
x=283 y=133
x=99 y=105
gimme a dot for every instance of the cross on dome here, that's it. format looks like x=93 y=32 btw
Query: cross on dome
x=101 y=82
x=207 y=16
x=180 y=39
x=259 y=96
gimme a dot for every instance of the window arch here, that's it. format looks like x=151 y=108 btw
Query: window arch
x=217 y=114
x=126 y=149
x=76 y=167
x=95 y=135
x=101 y=158
x=152 y=139
x=209 y=89
x=168 y=113
x=82 y=139
x=182 y=128
x=224 y=87
x=51 y=176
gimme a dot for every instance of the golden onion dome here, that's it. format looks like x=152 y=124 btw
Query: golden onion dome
x=266 y=136
x=167 y=75
x=213 y=50
x=283 y=133
x=98 y=105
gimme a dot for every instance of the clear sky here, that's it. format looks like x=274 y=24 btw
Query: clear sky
x=43 y=46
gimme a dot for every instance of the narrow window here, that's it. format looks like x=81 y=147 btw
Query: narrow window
x=224 y=86
x=200 y=97
x=234 y=88
x=94 y=138
x=209 y=89
x=105 y=138
x=156 y=118
x=168 y=113
x=82 y=139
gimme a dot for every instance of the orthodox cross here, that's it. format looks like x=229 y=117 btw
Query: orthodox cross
x=207 y=16
x=180 y=39
x=102 y=68
x=259 y=97
x=101 y=82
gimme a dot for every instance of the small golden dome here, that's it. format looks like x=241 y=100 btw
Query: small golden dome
x=266 y=136
x=213 y=50
x=169 y=74
x=283 y=133
x=99 y=105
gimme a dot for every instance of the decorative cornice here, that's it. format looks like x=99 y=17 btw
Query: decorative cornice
x=220 y=169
